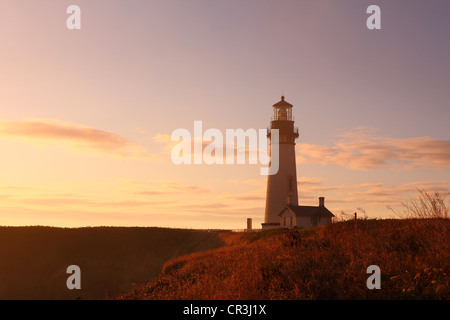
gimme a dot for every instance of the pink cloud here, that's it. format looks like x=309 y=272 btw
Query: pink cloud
x=359 y=150
x=73 y=136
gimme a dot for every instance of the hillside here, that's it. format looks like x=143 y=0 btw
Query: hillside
x=320 y=263
x=33 y=260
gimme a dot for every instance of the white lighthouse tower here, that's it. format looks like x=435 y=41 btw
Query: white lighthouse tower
x=282 y=186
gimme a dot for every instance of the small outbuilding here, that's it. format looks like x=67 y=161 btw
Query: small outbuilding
x=305 y=216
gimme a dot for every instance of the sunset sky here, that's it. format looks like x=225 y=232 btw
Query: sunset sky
x=86 y=115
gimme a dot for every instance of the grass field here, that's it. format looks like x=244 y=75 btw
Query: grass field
x=328 y=262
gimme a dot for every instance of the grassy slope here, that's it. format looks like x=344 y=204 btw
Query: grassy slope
x=33 y=260
x=320 y=263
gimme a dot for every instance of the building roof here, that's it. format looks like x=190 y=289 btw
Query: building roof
x=282 y=104
x=308 y=211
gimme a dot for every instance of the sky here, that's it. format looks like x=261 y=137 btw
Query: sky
x=86 y=115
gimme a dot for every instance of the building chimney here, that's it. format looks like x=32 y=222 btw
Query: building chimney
x=249 y=224
x=321 y=201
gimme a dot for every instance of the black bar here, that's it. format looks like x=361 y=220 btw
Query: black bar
x=229 y=309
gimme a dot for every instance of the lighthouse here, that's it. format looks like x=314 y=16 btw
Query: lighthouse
x=282 y=209
x=282 y=186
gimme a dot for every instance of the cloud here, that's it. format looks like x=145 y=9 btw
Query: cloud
x=248 y=197
x=80 y=202
x=259 y=194
x=58 y=200
x=309 y=180
x=254 y=182
x=162 y=138
x=360 y=150
x=72 y=135
x=372 y=194
x=219 y=209
x=150 y=193
x=231 y=149
x=173 y=186
x=170 y=187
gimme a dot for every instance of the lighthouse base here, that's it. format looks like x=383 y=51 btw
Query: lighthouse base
x=270 y=225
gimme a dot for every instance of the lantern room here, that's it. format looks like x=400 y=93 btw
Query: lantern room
x=282 y=110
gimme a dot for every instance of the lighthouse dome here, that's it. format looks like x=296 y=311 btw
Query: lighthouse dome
x=282 y=104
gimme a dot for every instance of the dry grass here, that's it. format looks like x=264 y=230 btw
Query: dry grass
x=321 y=263
x=424 y=205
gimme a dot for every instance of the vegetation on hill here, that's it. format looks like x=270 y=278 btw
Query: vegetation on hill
x=328 y=262
x=34 y=260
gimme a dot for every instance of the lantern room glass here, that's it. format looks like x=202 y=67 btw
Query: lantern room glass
x=282 y=114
